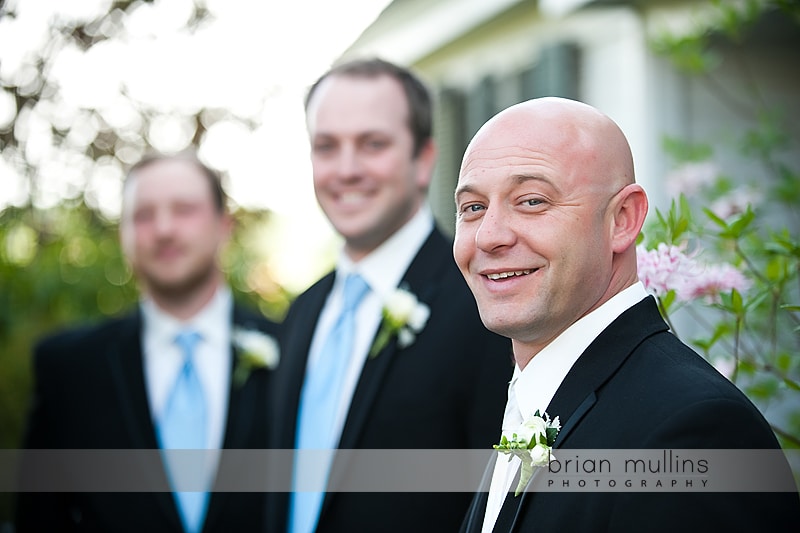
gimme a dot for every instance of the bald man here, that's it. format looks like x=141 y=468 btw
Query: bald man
x=548 y=214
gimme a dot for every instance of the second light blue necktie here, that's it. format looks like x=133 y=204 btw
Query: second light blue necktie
x=317 y=410
x=182 y=426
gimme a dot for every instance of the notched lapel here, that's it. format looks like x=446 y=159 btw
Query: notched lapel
x=574 y=418
x=127 y=369
x=242 y=400
x=576 y=395
x=295 y=345
x=422 y=279
x=600 y=361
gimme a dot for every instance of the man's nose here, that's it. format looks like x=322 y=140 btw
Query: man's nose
x=495 y=231
x=348 y=163
x=164 y=222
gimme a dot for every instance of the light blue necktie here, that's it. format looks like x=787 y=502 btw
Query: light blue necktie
x=317 y=410
x=183 y=427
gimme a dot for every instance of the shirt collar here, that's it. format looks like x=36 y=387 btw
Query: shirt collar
x=538 y=382
x=384 y=267
x=164 y=327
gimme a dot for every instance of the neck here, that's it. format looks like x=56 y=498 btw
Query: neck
x=524 y=352
x=186 y=305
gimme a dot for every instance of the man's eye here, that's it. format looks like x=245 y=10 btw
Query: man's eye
x=143 y=216
x=533 y=202
x=185 y=209
x=323 y=147
x=472 y=208
x=376 y=144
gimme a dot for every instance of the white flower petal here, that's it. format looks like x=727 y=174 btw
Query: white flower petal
x=258 y=345
x=400 y=304
x=540 y=455
x=419 y=317
x=405 y=338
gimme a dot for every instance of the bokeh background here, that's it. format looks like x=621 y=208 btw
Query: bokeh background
x=88 y=86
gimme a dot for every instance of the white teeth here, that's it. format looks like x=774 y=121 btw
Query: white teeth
x=503 y=275
x=351 y=197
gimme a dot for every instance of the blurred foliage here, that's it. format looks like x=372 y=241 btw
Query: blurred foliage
x=64 y=265
x=750 y=221
x=60 y=261
x=89 y=136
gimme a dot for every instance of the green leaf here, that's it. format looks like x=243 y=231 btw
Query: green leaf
x=668 y=299
x=764 y=387
x=737 y=305
x=783 y=362
x=552 y=433
x=736 y=229
x=791 y=384
x=714 y=218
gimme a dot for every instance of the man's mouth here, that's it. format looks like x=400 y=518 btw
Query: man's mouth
x=352 y=198
x=510 y=274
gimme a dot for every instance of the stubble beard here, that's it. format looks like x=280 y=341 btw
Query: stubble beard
x=182 y=289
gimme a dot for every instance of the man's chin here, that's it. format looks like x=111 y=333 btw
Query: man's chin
x=500 y=324
x=174 y=285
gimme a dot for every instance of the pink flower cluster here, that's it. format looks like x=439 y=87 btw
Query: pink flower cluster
x=690 y=178
x=669 y=268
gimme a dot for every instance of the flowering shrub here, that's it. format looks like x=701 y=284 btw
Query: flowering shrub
x=668 y=268
x=730 y=288
x=723 y=260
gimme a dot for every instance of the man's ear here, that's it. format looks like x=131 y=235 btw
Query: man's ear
x=425 y=161
x=629 y=210
x=227 y=225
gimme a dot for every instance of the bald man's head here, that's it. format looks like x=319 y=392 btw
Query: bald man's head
x=575 y=130
x=546 y=196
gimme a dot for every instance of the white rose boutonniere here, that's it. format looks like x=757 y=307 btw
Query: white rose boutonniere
x=403 y=315
x=256 y=350
x=532 y=442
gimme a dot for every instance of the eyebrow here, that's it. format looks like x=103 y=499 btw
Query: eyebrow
x=463 y=189
x=518 y=178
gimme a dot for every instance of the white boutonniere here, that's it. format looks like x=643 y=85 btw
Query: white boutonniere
x=255 y=350
x=532 y=442
x=403 y=315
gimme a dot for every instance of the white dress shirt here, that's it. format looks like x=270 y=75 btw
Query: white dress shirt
x=163 y=358
x=383 y=270
x=536 y=385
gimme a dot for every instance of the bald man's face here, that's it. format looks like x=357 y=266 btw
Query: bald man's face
x=533 y=231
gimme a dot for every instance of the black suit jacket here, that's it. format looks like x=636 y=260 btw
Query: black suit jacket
x=90 y=394
x=638 y=387
x=446 y=390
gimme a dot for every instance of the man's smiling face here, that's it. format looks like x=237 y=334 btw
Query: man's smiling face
x=533 y=238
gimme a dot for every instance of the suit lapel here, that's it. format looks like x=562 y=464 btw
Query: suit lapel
x=510 y=509
x=242 y=400
x=296 y=345
x=287 y=385
x=421 y=279
x=127 y=370
x=473 y=522
x=601 y=360
x=577 y=393
x=239 y=421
